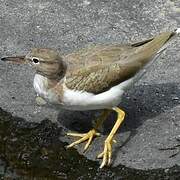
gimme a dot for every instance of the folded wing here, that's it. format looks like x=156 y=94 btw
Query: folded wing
x=96 y=69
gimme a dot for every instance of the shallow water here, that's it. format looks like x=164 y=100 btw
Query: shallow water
x=34 y=151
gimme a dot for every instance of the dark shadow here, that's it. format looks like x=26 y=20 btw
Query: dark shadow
x=147 y=101
x=140 y=103
x=32 y=150
x=80 y=121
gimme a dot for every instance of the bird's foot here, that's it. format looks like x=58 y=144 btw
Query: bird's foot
x=84 y=137
x=107 y=153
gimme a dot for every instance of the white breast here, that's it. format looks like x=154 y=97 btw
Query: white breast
x=41 y=88
x=77 y=100
x=40 y=85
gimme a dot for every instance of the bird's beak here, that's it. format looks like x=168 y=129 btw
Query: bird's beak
x=15 y=60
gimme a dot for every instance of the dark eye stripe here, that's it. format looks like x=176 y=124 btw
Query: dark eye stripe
x=49 y=62
x=41 y=61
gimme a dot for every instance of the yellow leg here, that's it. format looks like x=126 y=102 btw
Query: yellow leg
x=107 y=152
x=91 y=134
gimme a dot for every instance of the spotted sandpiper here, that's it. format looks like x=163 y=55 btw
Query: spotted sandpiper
x=92 y=78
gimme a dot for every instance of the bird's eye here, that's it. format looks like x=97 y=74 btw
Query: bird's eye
x=35 y=60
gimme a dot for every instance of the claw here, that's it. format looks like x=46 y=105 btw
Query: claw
x=84 y=137
x=75 y=134
x=106 y=154
x=100 y=155
x=109 y=154
x=88 y=143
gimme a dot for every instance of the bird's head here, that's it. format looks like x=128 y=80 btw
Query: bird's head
x=46 y=62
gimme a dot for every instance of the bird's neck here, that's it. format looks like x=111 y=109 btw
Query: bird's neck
x=43 y=84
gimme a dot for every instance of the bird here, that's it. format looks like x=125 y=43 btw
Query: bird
x=92 y=78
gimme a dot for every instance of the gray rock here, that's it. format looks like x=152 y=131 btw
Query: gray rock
x=152 y=105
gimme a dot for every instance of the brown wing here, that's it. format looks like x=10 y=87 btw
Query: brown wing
x=100 y=80
x=96 y=69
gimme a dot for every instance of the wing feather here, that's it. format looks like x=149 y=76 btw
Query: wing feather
x=97 y=68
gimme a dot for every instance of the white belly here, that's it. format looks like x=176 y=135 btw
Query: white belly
x=77 y=100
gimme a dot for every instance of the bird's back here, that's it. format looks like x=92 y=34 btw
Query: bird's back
x=97 y=68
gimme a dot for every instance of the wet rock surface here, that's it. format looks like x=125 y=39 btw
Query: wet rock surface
x=33 y=151
x=152 y=105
